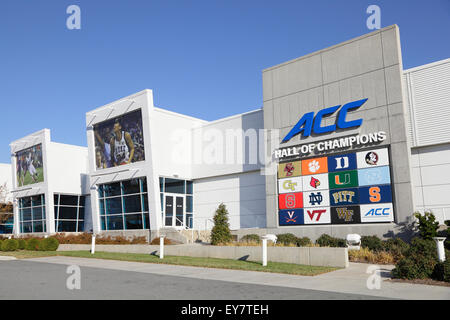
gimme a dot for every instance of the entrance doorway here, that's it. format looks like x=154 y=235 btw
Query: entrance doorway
x=174 y=213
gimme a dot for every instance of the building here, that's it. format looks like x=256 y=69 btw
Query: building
x=6 y=218
x=342 y=144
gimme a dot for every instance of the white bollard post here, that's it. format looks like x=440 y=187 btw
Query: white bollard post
x=264 y=251
x=440 y=248
x=93 y=244
x=161 y=247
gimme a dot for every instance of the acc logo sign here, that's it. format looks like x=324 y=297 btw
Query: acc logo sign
x=377 y=213
x=309 y=123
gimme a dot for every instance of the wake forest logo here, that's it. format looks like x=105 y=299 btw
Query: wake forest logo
x=345 y=214
x=372 y=158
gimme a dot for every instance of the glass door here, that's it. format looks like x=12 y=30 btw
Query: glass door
x=174 y=210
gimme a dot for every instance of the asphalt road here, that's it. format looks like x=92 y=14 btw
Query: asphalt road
x=21 y=279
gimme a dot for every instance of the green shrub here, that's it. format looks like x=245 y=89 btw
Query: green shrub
x=10 y=245
x=427 y=225
x=328 y=241
x=303 y=242
x=22 y=244
x=1 y=242
x=287 y=238
x=372 y=243
x=419 y=261
x=32 y=244
x=442 y=271
x=220 y=233
x=251 y=238
x=397 y=247
x=48 y=244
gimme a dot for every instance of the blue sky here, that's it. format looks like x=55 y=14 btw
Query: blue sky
x=201 y=58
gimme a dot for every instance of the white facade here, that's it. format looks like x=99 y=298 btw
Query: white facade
x=6 y=181
x=428 y=97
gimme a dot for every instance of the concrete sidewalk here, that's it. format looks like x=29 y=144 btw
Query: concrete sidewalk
x=352 y=280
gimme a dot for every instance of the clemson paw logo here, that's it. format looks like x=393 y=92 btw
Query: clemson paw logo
x=313 y=166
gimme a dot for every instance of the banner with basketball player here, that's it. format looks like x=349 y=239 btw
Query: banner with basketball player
x=339 y=189
x=29 y=166
x=119 y=141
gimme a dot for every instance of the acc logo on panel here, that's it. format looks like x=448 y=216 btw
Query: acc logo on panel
x=317 y=215
x=342 y=162
x=377 y=213
x=290 y=217
x=289 y=185
x=290 y=200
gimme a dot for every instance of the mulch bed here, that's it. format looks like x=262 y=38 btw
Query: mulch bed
x=429 y=282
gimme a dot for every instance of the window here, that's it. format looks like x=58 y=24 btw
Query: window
x=184 y=188
x=6 y=222
x=32 y=214
x=124 y=205
x=69 y=213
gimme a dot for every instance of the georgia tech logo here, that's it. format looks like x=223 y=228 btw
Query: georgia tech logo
x=289 y=185
x=337 y=179
x=344 y=213
x=372 y=158
x=314 y=183
x=343 y=196
x=289 y=169
x=314 y=212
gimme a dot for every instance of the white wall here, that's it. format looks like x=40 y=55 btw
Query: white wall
x=6 y=179
x=243 y=194
x=431 y=180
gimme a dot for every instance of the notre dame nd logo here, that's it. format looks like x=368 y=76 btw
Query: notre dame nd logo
x=315 y=198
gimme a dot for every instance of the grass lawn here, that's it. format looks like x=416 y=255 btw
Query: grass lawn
x=276 y=267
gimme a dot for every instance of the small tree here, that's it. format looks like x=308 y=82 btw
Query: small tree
x=220 y=233
x=427 y=225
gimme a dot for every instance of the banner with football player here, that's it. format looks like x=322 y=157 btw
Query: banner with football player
x=29 y=166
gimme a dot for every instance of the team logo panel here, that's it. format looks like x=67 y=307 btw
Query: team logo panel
x=372 y=158
x=343 y=179
x=290 y=185
x=375 y=194
x=290 y=217
x=314 y=166
x=316 y=199
x=374 y=176
x=289 y=169
x=316 y=215
x=342 y=162
x=290 y=201
x=345 y=215
x=315 y=182
x=344 y=197
x=382 y=212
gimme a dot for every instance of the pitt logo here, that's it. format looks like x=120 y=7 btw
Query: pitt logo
x=289 y=169
x=315 y=198
x=289 y=185
x=314 y=183
x=343 y=196
x=314 y=212
x=342 y=163
x=292 y=217
x=344 y=213
x=337 y=179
